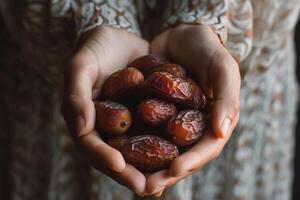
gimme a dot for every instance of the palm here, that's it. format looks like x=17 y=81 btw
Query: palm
x=102 y=52
x=199 y=50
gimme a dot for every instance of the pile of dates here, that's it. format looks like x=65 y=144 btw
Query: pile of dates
x=150 y=111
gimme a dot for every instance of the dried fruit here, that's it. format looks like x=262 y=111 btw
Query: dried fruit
x=147 y=62
x=112 y=118
x=147 y=153
x=121 y=83
x=118 y=142
x=184 y=91
x=156 y=112
x=186 y=127
x=173 y=69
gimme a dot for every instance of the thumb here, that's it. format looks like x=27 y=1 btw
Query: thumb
x=78 y=107
x=224 y=76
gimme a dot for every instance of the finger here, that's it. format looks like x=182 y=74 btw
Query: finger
x=100 y=154
x=157 y=182
x=79 y=80
x=207 y=149
x=110 y=161
x=159 y=194
x=130 y=177
x=223 y=74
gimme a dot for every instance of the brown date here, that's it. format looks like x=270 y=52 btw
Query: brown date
x=148 y=153
x=156 y=112
x=147 y=62
x=122 y=83
x=112 y=118
x=173 y=69
x=183 y=91
x=118 y=142
x=186 y=127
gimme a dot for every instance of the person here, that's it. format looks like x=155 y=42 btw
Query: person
x=228 y=45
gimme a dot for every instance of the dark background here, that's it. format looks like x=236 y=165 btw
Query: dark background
x=297 y=158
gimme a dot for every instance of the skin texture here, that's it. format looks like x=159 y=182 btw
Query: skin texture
x=100 y=54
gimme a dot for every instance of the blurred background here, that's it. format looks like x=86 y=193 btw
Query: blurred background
x=297 y=158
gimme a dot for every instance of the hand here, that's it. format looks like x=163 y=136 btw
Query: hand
x=198 y=49
x=101 y=52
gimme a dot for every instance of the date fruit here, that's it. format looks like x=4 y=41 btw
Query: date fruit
x=118 y=142
x=147 y=62
x=173 y=69
x=186 y=127
x=122 y=83
x=183 y=91
x=156 y=112
x=148 y=153
x=112 y=118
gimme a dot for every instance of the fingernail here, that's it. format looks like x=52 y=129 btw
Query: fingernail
x=158 y=189
x=225 y=126
x=144 y=194
x=159 y=194
x=79 y=124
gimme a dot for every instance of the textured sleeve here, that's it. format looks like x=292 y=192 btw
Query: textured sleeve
x=113 y=13
x=231 y=20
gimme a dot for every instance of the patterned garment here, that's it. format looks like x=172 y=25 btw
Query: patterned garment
x=38 y=159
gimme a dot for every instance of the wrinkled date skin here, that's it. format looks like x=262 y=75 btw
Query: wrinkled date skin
x=186 y=127
x=118 y=142
x=147 y=62
x=122 y=83
x=173 y=69
x=156 y=112
x=147 y=153
x=112 y=118
x=183 y=91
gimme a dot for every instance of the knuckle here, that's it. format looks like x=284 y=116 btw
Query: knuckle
x=116 y=166
x=74 y=63
x=222 y=60
x=73 y=99
x=176 y=168
x=77 y=97
x=234 y=108
x=217 y=153
x=80 y=64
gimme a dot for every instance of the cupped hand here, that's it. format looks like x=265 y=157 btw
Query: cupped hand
x=101 y=52
x=199 y=49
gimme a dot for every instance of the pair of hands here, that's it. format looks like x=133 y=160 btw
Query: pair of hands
x=106 y=50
